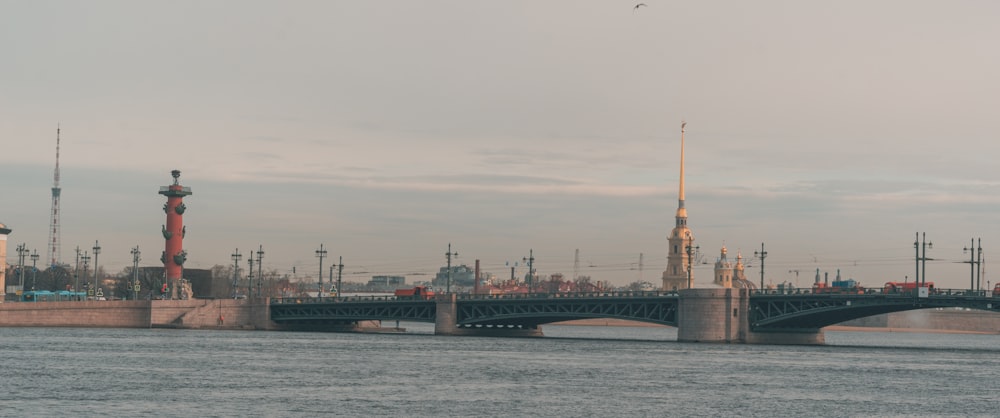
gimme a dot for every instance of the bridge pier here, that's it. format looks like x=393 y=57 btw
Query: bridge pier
x=712 y=315
x=446 y=315
x=722 y=315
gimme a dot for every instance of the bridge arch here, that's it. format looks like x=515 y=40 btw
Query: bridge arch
x=817 y=311
x=530 y=313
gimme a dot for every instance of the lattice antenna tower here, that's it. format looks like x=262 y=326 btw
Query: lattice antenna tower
x=53 y=247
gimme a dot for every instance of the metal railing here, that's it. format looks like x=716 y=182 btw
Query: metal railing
x=562 y=295
x=876 y=291
x=935 y=292
x=471 y=296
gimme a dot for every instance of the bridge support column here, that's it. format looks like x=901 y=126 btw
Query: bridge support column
x=711 y=315
x=445 y=323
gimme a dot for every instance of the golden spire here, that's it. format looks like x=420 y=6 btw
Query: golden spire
x=681 y=212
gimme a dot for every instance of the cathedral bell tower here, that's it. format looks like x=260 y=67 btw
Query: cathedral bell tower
x=677 y=276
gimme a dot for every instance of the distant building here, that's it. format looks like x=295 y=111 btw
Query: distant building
x=386 y=283
x=460 y=276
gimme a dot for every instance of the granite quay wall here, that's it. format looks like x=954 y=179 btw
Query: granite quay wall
x=97 y=314
x=192 y=313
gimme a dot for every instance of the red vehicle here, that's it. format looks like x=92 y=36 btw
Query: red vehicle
x=418 y=292
x=906 y=287
x=849 y=286
x=996 y=291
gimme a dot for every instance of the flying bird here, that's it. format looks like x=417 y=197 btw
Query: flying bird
x=637 y=6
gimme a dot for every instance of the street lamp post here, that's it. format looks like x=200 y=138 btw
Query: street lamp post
x=690 y=253
x=340 y=273
x=448 y=255
x=34 y=269
x=321 y=253
x=762 y=254
x=260 y=268
x=76 y=272
x=531 y=269
x=97 y=250
x=86 y=269
x=921 y=244
x=250 y=276
x=236 y=272
x=135 y=272
x=975 y=260
x=22 y=251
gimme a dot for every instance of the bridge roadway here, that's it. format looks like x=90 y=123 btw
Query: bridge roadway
x=766 y=311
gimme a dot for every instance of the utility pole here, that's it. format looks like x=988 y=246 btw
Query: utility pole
x=34 y=269
x=762 y=254
x=97 y=251
x=236 y=272
x=86 y=269
x=531 y=269
x=76 y=272
x=449 y=254
x=690 y=252
x=250 y=277
x=921 y=243
x=979 y=263
x=260 y=268
x=135 y=272
x=340 y=272
x=21 y=252
x=975 y=260
x=321 y=253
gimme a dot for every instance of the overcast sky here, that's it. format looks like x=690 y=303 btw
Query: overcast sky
x=829 y=131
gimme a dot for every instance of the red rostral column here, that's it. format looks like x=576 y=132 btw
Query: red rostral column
x=174 y=256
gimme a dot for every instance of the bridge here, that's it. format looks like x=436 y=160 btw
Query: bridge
x=773 y=311
x=699 y=314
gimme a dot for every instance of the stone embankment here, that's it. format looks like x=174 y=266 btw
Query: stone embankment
x=192 y=313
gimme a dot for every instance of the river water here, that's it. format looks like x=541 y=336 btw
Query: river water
x=573 y=371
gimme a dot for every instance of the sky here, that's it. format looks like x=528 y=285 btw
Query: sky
x=829 y=132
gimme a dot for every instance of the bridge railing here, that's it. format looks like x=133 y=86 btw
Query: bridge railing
x=471 y=296
x=307 y=299
x=876 y=291
x=564 y=295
